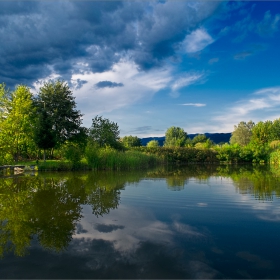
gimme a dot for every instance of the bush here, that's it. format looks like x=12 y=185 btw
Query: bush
x=153 y=144
x=73 y=154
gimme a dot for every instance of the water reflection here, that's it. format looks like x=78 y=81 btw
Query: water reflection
x=49 y=206
x=162 y=223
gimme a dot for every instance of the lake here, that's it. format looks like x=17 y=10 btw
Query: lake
x=170 y=222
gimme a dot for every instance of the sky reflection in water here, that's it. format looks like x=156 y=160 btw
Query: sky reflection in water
x=190 y=222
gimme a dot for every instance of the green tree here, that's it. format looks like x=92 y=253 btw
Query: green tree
x=44 y=136
x=153 y=144
x=242 y=133
x=275 y=130
x=131 y=141
x=16 y=122
x=200 y=138
x=56 y=98
x=262 y=133
x=175 y=137
x=104 y=132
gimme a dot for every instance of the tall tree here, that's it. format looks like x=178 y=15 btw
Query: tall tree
x=16 y=125
x=242 y=133
x=262 y=132
x=175 y=137
x=104 y=132
x=57 y=100
x=44 y=136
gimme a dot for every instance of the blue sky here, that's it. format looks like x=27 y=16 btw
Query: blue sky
x=148 y=65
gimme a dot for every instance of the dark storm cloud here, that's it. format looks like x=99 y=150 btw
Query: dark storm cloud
x=67 y=37
x=104 y=84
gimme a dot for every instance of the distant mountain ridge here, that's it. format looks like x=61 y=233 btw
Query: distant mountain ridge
x=215 y=137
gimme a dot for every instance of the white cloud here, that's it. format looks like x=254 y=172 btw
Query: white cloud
x=136 y=226
x=186 y=81
x=137 y=86
x=197 y=40
x=269 y=24
x=193 y=104
x=213 y=60
x=250 y=109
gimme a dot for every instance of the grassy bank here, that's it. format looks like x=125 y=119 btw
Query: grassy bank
x=99 y=159
x=96 y=158
x=180 y=154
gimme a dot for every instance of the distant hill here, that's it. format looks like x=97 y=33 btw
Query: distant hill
x=215 y=137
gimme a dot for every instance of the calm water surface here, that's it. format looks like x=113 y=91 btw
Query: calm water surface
x=190 y=222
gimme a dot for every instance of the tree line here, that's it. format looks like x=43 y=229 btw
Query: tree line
x=49 y=124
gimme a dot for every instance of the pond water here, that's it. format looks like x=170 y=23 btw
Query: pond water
x=181 y=222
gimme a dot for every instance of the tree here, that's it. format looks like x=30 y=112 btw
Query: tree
x=44 y=136
x=104 y=132
x=242 y=133
x=131 y=141
x=262 y=132
x=16 y=121
x=56 y=99
x=199 y=138
x=175 y=137
x=153 y=144
x=275 y=131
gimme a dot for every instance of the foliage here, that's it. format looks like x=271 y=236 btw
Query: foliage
x=109 y=158
x=275 y=144
x=180 y=154
x=228 y=152
x=56 y=99
x=261 y=133
x=153 y=144
x=275 y=157
x=200 y=138
x=44 y=136
x=73 y=153
x=249 y=153
x=104 y=132
x=175 y=137
x=131 y=141
x=242 y=133
x=204 y=145
x=49 y=208
x=16 y=123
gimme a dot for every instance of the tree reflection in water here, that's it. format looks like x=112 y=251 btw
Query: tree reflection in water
x=48 y=207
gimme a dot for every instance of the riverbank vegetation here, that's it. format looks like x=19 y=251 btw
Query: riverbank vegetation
x=47 y=129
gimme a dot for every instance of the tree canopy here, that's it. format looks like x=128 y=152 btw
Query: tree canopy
x=44 y=136
x=56 y=99
x=131 y=141
x=199 y=138
x=16 y=121
x=175 y=137
x=153 y=144
x=242 y=133
x=104 y=132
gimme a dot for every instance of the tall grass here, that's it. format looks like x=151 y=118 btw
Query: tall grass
x=180 y=154
x=108 y=158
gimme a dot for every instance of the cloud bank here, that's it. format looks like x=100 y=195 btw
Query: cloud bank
x=76 y=37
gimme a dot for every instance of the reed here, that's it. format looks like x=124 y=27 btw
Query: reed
x=108 y=158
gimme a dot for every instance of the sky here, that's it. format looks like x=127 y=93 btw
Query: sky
x=203 y=66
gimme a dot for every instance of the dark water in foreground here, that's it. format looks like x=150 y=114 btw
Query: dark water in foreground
x=190 y=222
